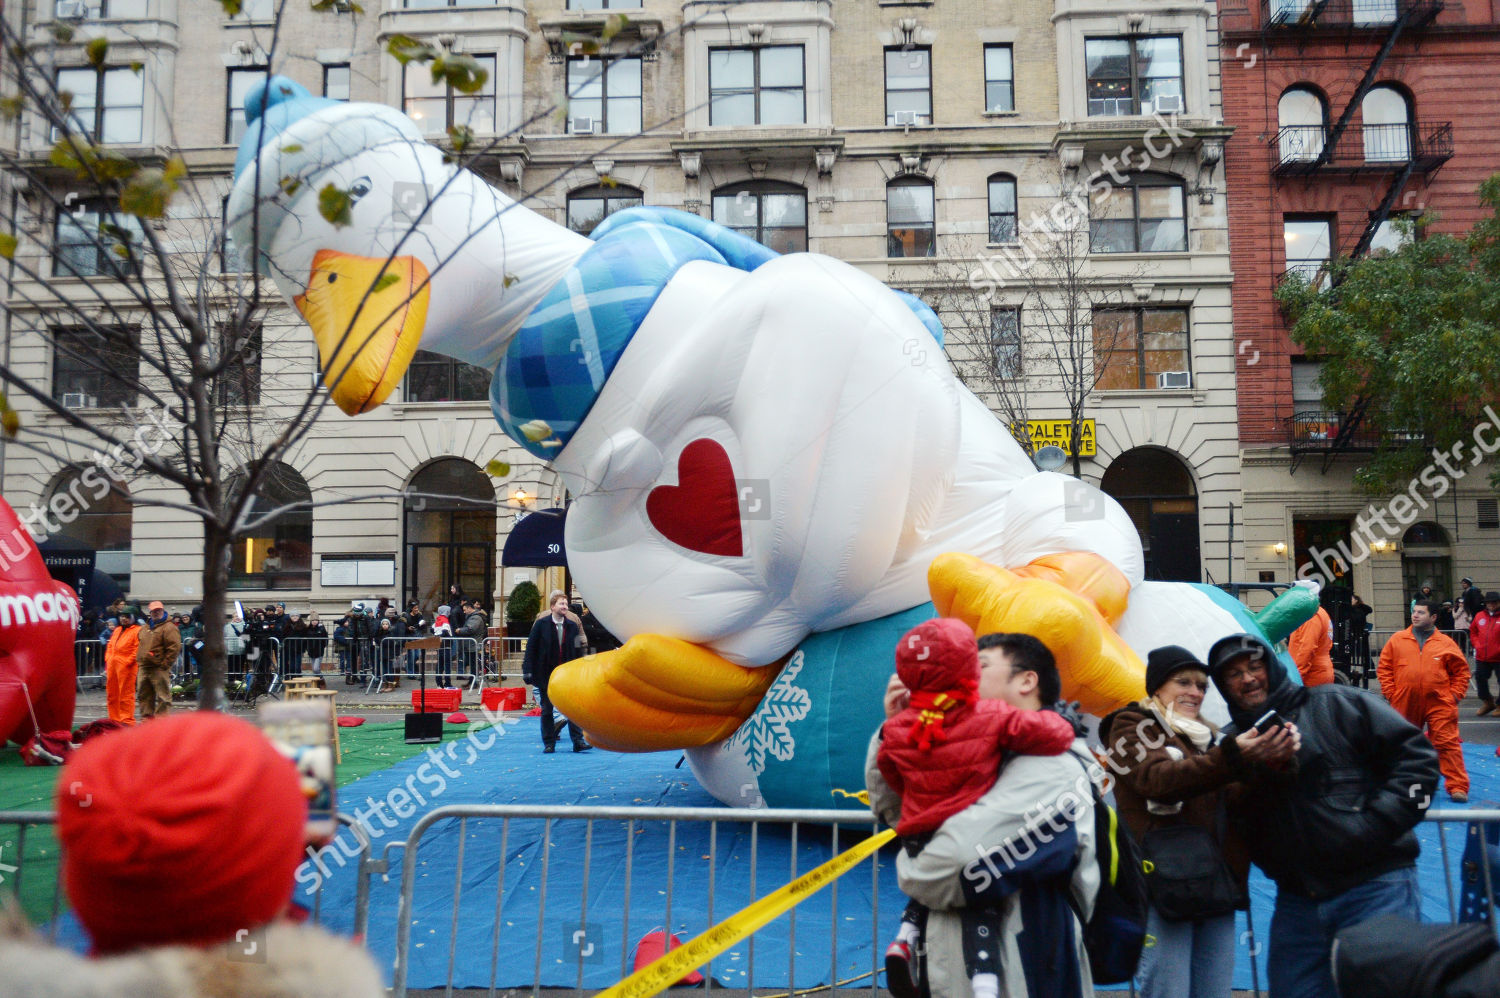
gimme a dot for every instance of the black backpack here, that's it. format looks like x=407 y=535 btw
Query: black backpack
x=1116 y=932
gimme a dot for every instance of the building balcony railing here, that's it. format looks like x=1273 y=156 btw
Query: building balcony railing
x=1292 y=15
x=1303 y=149
x=1325 y=430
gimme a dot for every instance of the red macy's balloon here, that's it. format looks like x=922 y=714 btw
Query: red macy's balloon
x=38 y=621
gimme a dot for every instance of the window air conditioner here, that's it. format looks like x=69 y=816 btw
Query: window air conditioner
x=74 y=10
x=78 y=400
x=581 y=125
x=908 y=117
x=1174 y=379
x=1167 y=103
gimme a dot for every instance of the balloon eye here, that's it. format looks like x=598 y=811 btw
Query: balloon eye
x=359 y=188
x=332 y=278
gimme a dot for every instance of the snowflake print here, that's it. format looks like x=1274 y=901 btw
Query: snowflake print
x=769 y=729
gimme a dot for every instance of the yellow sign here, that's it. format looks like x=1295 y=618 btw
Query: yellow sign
x=1057 y=433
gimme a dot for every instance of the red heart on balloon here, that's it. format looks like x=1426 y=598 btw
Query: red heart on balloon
x=702 y=511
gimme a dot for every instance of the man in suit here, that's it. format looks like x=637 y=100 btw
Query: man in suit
x=555 y=638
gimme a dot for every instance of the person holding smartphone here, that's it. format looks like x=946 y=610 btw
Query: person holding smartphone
x=1333 y=828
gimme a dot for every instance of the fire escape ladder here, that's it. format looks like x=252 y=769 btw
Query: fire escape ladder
x=1407 y=11
x=1383 y=212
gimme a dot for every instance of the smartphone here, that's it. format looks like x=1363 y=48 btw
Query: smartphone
x=303 y=732
x=1268 y=721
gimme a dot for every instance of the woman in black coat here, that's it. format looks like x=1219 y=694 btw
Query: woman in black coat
x=316 y=638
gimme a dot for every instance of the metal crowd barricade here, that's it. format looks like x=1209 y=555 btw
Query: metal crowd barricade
x=575 y=872
x=458 y=658
x=506 y=654
x=45 y=858
x=88 y=659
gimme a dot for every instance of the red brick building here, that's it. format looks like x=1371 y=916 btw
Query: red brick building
x=1349 y=115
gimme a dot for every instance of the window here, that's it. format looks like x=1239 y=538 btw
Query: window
x=242 y=82
x=760 y=86
x=434 y=377
x=1002 y=208
x=1303 y=120
x=1488 y=514
x=101 y=522
x=437 y=107
x=256 y=10
x=592 y=205
x=86 y=241
x=1145 y=215
x=1309 y=246
x=909 y=218
x=1005 y=342
x=908 y=86
x=1395 y=232
x=1307 y=391
x=336 y=81
x=108 y=105
x=1134 y=75
x=1138 y=347
x=279 y=556
x=98 y=10
x=604 y=96
x=999 y=79
x=95 y=367
x=773 y=214
x=1387 y=126
x=239 y=384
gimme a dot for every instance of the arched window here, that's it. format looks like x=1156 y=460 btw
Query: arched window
x=588 y=206
x=1387 y=125
x=1002 y=208
x=449 y=520
x=909 y=212
x=1303 y=120
x=1146 y=214
x=773 y=214
x=279 y=554
x=98 y=516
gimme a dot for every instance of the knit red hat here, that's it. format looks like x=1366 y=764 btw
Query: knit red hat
x=938 y=655
x=181 y=831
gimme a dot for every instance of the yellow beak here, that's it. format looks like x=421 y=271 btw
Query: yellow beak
x=367 y=315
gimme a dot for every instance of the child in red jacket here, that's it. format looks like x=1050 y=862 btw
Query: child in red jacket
x=941 y=754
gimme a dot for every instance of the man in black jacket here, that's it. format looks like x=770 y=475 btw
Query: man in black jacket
x=554 y=639
x=1334 y=831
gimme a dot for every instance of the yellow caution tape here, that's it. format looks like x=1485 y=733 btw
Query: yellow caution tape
x=669 y=968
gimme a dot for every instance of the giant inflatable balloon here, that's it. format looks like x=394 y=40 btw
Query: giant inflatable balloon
x=38 y=622
x=775 y=471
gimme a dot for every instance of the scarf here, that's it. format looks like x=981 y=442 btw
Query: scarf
x=932 y=706
x=1200 y=733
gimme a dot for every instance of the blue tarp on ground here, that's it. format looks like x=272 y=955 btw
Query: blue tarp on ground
x=585 y=931
x=590 y=904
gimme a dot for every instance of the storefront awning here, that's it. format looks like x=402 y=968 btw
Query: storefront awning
x=537 y=541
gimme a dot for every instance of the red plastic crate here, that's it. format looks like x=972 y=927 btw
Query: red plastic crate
x=440 y=699
x=503 y=697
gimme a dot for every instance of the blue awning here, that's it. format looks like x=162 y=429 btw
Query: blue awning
x=537 y=541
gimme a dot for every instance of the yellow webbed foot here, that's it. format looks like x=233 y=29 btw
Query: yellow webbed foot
x=1098 y=669
x=656 y=693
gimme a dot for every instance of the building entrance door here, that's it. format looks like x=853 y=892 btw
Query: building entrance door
x=450 y=535
x=1156 y=488
x=432 y=567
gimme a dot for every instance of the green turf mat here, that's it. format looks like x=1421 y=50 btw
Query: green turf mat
x=370 y=747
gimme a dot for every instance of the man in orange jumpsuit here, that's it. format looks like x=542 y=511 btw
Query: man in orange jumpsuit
x=120 y=668
x=1311 y=646
x=1424 y=676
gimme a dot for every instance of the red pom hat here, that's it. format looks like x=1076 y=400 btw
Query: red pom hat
x=181 y=831
x=938 y=660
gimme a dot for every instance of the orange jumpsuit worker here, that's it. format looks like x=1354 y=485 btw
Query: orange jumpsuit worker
x=120 y=668
x=1311 y=646
x=1424 y=676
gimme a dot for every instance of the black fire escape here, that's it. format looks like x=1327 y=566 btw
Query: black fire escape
x=1399 y=151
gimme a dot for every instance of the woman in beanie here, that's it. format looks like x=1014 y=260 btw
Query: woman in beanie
x=1173 y=770
x=175 y=877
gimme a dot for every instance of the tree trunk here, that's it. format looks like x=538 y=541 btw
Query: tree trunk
x=217 y=546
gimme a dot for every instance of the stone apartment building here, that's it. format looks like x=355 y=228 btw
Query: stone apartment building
x=913 y=140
